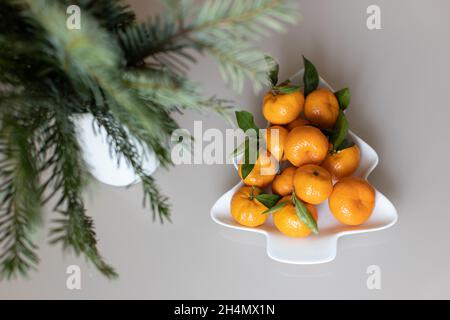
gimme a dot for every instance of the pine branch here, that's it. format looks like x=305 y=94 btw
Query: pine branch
x=175 y=93
x=218 y=27
x=154 y=38
x=120 y=143
x=241 y=19
x=129 y=75
x=159 y=203
x=169 y=90
x=238 y=62
x=19 y=62
x=222 y=107
x=74 y=230
x=96 y=72
x=20 y=203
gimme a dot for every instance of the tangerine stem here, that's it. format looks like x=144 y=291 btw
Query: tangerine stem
x=252 y=190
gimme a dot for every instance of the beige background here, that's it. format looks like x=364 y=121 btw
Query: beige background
x=399 y=78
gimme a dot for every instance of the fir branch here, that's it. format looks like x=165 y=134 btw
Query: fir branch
x=97 y=72
x=159 y=203
x=238 y=62
x=129 y=76
x=241 y=19
x=74 y=230
x=153 y=38
x=120 y=143
x=222 y=107
x=169 y=90
x=217 y=27
x=20 y=200
x=175 y=93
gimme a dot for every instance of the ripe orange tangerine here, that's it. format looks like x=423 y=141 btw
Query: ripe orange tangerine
x=305 y=144
x=282 y=108
x=284 y=182
x=297 y=123
x=342 y=163
x=245 y=209
x=322 y=108
x=287 y=221
x=352 y=201
x=263 y=172
x=312 y=184
x=275 y=139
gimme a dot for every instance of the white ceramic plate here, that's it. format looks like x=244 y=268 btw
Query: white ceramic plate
x=322 y=247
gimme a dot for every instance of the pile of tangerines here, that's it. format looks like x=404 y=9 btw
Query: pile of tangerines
x=308 y=136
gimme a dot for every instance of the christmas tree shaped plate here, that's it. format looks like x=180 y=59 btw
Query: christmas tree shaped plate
x=322 y=247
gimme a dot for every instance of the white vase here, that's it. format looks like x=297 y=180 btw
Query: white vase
x=102 y=163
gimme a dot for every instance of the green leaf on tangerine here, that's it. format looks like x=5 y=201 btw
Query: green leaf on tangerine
x=267 y=199
x=340 y=131
x=310 y=77
x=346 y=144
x=245 y=121
x=304 y=215
x=343 y=97
x=276 y=207
x=248 y=163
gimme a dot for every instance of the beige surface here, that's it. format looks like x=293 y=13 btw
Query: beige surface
x=399 y=78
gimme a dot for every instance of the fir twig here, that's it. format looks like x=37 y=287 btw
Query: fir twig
x=221 y=28
x=74 y=230
x=20 y=202
x=119 y=140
